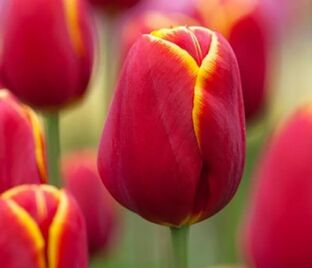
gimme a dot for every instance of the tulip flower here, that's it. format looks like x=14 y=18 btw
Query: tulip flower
x=41 y=227
x=113 y=5
x=47 y=51
x=22 y=150
x=83 y=181
x=147 y=22
x=172 y=149
x=278 y=230
x=242 y=24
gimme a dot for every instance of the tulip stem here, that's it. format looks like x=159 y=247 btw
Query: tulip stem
x=180 y=238
x=53 y=147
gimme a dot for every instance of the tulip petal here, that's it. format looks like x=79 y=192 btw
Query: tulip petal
x=185 y=38
x=71 y=15
x=154 y=104
x=21 y=236
x=219 y=127
x=277 y=233
x=40 y=202
x=67 y=236
x=38 y=143
x=22 y=152
x=47 y=51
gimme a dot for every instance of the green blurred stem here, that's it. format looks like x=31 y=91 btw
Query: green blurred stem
x=53 y=147
x=180 y=237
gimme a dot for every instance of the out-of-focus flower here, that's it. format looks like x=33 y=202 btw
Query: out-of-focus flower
x=42 y=227
x=165 y=5
x=278 y=231
x=114 y=5
x=83 y=181
x=47 y=51
x=149 y=21
x=173 y=145
x=243 y=25
x=22 y=150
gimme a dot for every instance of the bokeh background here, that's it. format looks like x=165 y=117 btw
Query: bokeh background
x=216 y=241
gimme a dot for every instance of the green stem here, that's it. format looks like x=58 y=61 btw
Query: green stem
x=179 y=238
x=53 y=147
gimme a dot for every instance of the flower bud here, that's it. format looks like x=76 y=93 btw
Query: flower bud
x=173 y=145
x=47 y=51
x=83 y=181
x=242 y=24
x=43 y=227
x=278 y=231
x=22 y=150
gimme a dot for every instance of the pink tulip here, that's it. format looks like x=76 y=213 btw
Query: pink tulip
x=22 y=150
x=83 y=181
x=278 y=231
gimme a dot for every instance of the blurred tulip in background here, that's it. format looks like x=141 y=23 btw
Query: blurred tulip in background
x=148 y=21
x=173 y=146
x=278 y=233
x=243 y=24
x=47 y=50
x=114 y=5
x=22 y=150
x=43 y=228
x=82 y=180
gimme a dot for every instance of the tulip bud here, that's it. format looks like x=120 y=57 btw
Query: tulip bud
x=42 y=227
x=242 y=24
x=83 y=181
x=22 y=150
x=278 y=231
x=173 y=145
x=114 y=5
x=47 y=51
x=150 y=21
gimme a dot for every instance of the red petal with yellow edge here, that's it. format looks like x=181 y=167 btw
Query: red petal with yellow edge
x=21 y=242
x=187 y=39
x=67 y=236
x=149 y=158
x=47 y=50
x=277 y=231
x=218 y=116
x=21 y=160
x=41 y=204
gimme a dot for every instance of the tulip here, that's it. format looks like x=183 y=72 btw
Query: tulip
x=147 y=22
x=83 y=182
x=22 y=150
x=242 y=23
x=42 y=227
x=47 y=51
x=172 y=149
x=113 y=5
x=278 y=231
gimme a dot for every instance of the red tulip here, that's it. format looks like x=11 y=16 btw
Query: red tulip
x=41 y=227
x=278 y=232
x=22 y=150
x=172 y=149
x=114 y=5
x=147 y=22
x=242 y=23
x=47 y=51
x=82 y=180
